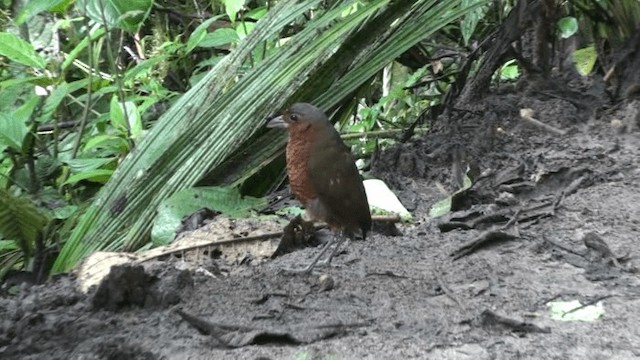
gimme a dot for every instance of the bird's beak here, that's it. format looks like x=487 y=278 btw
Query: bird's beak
x=277 y=122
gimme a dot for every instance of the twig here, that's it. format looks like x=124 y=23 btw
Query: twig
x=527 y=115
x=87 y=106
x=589 y=303
x=446 y=290
x=489 y=319
x=484 y=239
x=379 y=133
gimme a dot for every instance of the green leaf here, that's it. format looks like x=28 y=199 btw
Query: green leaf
x=84 y=165
x=53 y=101
x=443 y=206
x=471 y=20
x=440 y=208
x=12 y=132
x=34 y=7
x=113 y=142
x=568 y=26
x=117 y=115
x=199 y=33
x=64 y=212
x=99 y=176
x=585 y=60
x=244 y=28
x=25 y=111
x=222 y=36
x=96 y=32
x=131 y=123
x=232 y=7
x=257 y=13
x=225 y=200
x=135 y=120
x=8 y=245
x=19 y=51
x=20 y=220
x=125 y=14
x=509 y=71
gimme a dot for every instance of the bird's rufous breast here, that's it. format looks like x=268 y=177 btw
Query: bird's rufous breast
x=299 y=148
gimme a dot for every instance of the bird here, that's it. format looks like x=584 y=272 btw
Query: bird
x=323 y=175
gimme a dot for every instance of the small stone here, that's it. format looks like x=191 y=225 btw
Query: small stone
x=326 y=282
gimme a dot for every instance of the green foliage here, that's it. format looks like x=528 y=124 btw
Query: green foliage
x=443 y=206
x=115 y=95
x=232 y=7
x=19 y=51
x=585 y=59
x=21 y=222
x=35 y=7
x=568 y=26
x=183 y=203
x=12 y=132
x=142 y=100
x=124 y=14
x=470 y=22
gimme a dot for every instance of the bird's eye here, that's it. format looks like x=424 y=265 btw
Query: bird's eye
x=293 y=117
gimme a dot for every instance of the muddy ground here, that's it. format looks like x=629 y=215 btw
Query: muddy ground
x=424 y=294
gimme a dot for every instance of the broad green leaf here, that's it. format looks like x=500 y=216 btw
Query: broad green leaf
x=244 y=28
x=36 y=80
x=127 y=120
x=135 y=120
x=60 y=6
x=53 y=101
x=25 y=111
x=20 y=220
x=96 y=33
x=63 y=212
x=8 y=245
x=19 y=51
x=12 y=132
x=34 y=7
x=222 y=36
x=80 y=165
x=117 y=115
x=116 y=143
x=509 y=71
x=232 y=7
x=440 y=208
x=257 y=13
x=568 y=26
x=585 y=60
x=470 y=21
x=99 y=176
x=443 y=206
x=125 y=14
x=290 y=211
x=225 y=200
x=199 y=33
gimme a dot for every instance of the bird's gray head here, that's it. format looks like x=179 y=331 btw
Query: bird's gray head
x=301 y=115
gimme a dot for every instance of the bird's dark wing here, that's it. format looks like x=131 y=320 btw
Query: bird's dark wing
x=336 y=180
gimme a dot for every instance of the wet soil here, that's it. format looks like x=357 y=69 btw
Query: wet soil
x=397 y=297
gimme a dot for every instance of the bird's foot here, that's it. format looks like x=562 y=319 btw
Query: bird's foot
x=316 y=261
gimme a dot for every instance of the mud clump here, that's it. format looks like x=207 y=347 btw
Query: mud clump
x=129 y=286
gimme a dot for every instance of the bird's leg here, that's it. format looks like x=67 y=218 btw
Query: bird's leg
x=341 y=237
x=315 y=260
